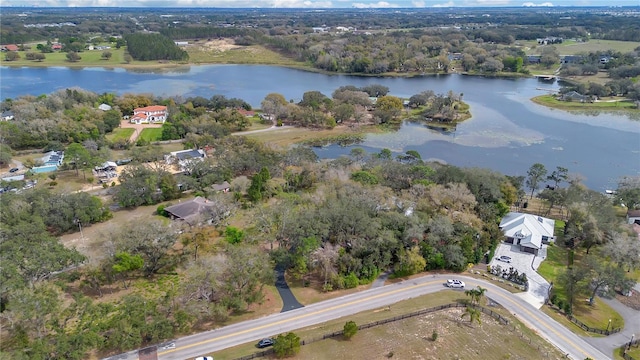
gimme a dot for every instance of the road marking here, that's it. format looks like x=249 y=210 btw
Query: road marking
x=548 y=327
x=302 y=316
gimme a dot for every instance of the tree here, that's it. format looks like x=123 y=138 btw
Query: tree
x=106 y=55
x=605 y=278
x=151 y=240
x=472 y=313
x=558 y=175
x=350 y=329
x=549 y=56
x=233 y=235
x=127 y=58
x=11 y=56
x=274 y=104
x=286 y=345
x=574 y=282
x=78 y=157
x=125 y=264
x=535 y=174
x=73 y=56
x=258 y=185
x=5 y=155
x=475 y=294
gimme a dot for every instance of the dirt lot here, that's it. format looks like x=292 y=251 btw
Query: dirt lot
x=411 y=339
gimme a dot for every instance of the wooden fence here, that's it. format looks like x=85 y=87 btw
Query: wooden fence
x=626 y=348
x=585 y=327
x=334 y=334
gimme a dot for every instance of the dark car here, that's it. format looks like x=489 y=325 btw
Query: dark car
x=265 y=343
x=13 y=170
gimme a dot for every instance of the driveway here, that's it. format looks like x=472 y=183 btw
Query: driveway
x=525 y=263
x=289 y=301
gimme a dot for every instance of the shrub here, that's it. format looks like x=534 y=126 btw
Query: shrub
x=286 y=345
x=553 y=299
x=567 y=308
x=160 y=211
x=53 y=183
x=351 y=281
x=560 y=304
x=434 y=335
x=350 y=329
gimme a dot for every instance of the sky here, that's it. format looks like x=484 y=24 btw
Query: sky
x=315 y=3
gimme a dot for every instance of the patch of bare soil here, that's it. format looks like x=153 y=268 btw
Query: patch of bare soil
x=221 y=45
x=632 y=301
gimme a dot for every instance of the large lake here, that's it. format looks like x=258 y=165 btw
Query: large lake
x=507 y=132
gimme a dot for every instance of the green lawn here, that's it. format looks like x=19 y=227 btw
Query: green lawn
x=572 y=47
x=551 y=101
x=151 y=134
x=120 y=134
x=88 y=58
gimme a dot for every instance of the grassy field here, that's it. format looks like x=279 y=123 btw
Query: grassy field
x=634 y=352
x=596 y=316
x=411 y=338
x=120 y=134
x=88 y=58
x=256 y=54
x=285 y=137
x=606 y=104
x=572 y=47
x=151 y=134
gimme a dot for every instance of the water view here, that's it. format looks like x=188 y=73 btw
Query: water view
x=507 y=132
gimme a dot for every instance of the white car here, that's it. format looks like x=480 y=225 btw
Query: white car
x=204 y=358
x=505 y=258
x=452 y=283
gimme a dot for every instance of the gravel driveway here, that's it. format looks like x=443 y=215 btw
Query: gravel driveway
x=525 y=263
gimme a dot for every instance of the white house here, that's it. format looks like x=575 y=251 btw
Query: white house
x=185 y=158
x=528 y=231
x=104 y=107
x=156 y=114
x=633 y=217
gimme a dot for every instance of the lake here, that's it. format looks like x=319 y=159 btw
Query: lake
x=507 y=133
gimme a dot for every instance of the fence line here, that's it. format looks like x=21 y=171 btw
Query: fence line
x=334 y=334
x=627 y=346
x=585 y=327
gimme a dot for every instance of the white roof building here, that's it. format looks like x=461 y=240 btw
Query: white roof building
x=528 y=231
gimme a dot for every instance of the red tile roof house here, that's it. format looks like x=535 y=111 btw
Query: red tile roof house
x=10 y=47
x=155 y=114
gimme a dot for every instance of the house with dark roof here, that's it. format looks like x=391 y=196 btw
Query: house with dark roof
x=224 y=187
x=574 y=96
x=633 y=217
x=53 y=158
x=571 y=59
x=190 y=210
x=527 y=231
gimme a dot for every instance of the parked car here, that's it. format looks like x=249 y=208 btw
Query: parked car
x=13 y=170
x=204 y=358
x=453 y=283
x=265 y=343
x=504 y=258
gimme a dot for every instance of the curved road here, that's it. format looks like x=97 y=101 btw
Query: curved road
x=253 y=330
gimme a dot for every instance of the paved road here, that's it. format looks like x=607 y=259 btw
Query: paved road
x=249 y=331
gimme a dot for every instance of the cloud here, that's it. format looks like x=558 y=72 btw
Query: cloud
x=418 y=3
x=447 y=4
x=378 y=5
x=530 y=4
x=487 y=2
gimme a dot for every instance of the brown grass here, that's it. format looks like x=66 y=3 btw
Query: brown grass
x=411 y=338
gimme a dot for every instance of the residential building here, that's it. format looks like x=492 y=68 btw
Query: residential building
x=9 y=47
x=185 y=158
x=53 y=158
x=224 y=187
x=7 y=115
x=633 y=217
x=527 y=231
x=191 y=210
x=155 y=114
x=575 y=96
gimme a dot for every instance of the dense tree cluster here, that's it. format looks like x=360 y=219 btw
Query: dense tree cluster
x=146 y=47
